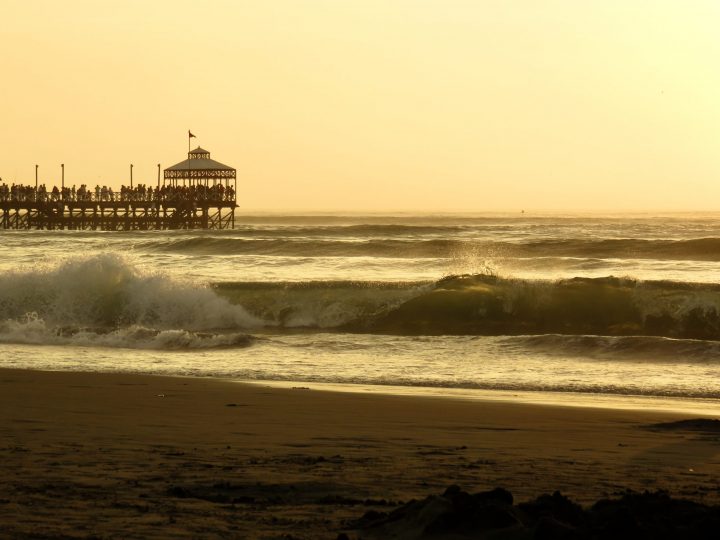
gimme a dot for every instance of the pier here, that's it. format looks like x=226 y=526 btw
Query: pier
x=197 y=193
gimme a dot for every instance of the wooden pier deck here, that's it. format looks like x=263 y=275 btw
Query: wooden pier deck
x=123 y=215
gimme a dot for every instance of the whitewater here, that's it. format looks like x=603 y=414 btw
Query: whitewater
x=566 y=307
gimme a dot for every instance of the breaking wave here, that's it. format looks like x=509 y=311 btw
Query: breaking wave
x=103 y=300
x=321 y=304
x=490 y=305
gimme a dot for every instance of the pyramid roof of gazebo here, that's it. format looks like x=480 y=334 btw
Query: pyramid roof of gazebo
x=193 y=163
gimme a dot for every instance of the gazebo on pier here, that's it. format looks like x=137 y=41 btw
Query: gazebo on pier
x=198 y=193
x=199 y=170
x=209 y=184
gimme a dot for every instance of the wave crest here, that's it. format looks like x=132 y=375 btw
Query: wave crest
x=489 y=305
x=106 y=292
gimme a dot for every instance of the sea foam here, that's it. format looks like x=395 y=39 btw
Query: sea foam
x=106 y=300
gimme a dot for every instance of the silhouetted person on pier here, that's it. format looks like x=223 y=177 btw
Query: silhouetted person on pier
x=141 y=193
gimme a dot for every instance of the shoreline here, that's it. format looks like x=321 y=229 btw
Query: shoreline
x=157 y=456
x=671 y=404
x=705 y=407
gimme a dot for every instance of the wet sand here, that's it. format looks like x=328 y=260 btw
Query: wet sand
x=129 y=456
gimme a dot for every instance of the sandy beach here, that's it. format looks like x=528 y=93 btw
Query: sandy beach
x=128 y=456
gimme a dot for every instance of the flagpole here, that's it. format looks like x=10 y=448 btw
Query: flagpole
x=190 y=136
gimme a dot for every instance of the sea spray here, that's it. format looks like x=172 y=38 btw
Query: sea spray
x=106 y=291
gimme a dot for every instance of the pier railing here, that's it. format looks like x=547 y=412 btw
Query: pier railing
x=137 y=208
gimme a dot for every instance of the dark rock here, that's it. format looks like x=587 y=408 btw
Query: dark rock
x=498 y=495
x=452 y=490
x=549 y=528
x=655 y=515
x=456 y=514
x=372 y=516
x=557 y=506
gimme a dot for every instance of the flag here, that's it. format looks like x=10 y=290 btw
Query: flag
x=190 y=135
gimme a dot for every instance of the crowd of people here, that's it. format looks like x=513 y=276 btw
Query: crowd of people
x=139 y=193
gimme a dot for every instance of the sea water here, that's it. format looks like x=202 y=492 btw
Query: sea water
x=565 y=307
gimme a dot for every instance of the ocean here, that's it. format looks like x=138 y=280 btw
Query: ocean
x=617 y=310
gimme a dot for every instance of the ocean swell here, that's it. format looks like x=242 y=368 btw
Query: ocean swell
x=438 y=246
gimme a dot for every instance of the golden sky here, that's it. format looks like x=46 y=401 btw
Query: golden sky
x=427 y=105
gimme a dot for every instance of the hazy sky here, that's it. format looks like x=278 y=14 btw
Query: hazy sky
x=381 y=105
